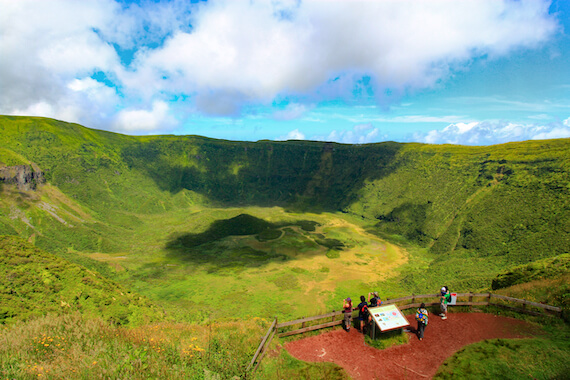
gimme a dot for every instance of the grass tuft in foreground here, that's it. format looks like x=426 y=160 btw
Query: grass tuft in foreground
x=546 y=357
x=71 y=347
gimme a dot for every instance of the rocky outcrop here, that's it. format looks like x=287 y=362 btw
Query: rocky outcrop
x=25 y=177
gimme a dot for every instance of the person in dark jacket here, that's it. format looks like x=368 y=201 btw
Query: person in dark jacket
x=375 y=301
x=363 y=313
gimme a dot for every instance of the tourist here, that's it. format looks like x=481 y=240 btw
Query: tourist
x=443 y=303
x=375 y=300
x=347 y=310
x=422 y=318
x=363 y=313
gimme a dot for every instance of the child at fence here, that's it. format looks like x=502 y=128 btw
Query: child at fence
x=443 y=300
x=422 y=319
x=347 y=310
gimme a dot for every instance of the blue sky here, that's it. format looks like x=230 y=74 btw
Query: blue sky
x=474 y=72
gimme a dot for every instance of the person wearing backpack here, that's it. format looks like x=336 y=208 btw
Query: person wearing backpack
x=375 y=300
x=443 y=301
x=347 y=311
x=363 y=313
x=422 y=319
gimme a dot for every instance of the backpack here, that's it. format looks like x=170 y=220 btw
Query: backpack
x=375 y=301
x=419 y=317
x=364 y=310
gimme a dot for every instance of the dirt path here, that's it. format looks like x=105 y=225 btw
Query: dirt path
x=415 y=359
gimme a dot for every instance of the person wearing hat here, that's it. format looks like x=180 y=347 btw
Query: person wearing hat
x=347 y=310
x=375 y=300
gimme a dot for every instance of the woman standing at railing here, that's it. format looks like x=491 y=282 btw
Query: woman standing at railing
x=347 y=310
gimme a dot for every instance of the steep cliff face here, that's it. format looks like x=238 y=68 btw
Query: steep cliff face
x=25 y=177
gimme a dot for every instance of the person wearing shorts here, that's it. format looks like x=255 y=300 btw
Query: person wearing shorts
x=347 y=310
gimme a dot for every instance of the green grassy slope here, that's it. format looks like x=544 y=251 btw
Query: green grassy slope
x=231 y=230
x=477 y=210
x=539 y=358
x=35 y=282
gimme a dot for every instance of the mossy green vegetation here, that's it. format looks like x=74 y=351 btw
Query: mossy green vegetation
x=9 y=158
x=284 y=366
x=538 y=358
x=218 y=230
x=387 y=339
x=506 y=201
x=550 y=268
x=73 y=347
x=35 y=283
x=252 y=276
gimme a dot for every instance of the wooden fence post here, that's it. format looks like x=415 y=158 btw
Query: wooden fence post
x=470 y=297
x=265 y=346
x=489 y=299
x=332 y=319
x=261 y=348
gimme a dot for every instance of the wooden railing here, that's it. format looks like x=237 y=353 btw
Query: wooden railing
x=402 y=305
x=336 y=317
x=265 y=342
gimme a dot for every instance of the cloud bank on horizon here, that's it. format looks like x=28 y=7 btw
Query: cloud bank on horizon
x=466 y=71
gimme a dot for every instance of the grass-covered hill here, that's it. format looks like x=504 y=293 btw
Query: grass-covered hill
x=507 y=204
x=228 y=233
x=34 y=283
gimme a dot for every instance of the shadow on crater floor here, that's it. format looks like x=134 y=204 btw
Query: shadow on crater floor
x=209 y=247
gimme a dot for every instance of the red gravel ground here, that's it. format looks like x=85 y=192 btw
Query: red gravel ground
x=417 y=359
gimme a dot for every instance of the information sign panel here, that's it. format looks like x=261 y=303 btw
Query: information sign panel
x=388 y=317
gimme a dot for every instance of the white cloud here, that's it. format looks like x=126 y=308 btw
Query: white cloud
x=291 y=112
x=246 y=51
x=360 y=134
x=293 y=135
x=85 y=101
x=489 y=133
x=223 y=55
x=541 y=116
x=133 y=120
x=554 y=133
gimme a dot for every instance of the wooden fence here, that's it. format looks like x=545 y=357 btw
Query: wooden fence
x=265 y=342
x=463 y=299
